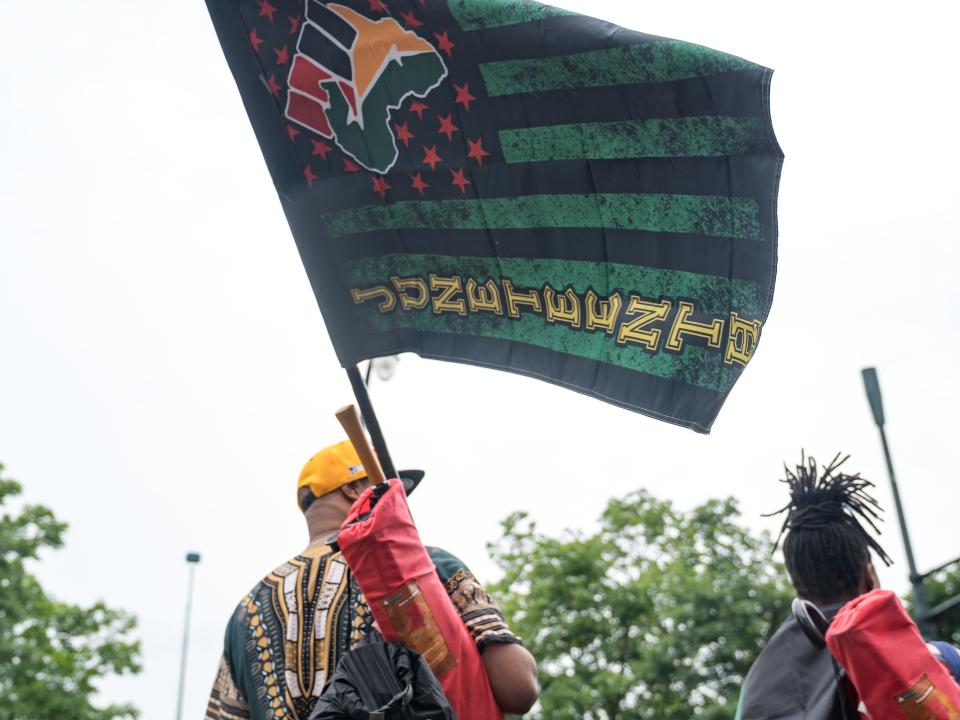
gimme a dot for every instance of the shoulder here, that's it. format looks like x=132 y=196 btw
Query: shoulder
x=947 y=654
x=448 y=565
x=784 y=646
x=251 y=603
x=237 y=626
x=288 y=571
x=788 y=674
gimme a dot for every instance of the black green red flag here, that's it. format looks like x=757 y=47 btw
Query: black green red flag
x=510 y=185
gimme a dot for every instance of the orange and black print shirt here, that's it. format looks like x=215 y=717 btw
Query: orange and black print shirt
x=287 y=635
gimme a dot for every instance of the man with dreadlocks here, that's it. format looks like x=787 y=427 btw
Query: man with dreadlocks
x=827 y=552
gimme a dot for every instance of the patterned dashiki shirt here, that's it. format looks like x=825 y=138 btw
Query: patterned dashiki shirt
x=286 y=636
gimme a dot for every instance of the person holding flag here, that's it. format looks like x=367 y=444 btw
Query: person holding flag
x=289 y=632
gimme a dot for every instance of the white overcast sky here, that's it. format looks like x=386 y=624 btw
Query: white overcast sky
x=165 y=372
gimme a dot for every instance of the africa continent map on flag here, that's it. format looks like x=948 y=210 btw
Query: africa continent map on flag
x=347 y=75
x=514 y=186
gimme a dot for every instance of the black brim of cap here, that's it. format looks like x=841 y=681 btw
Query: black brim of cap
x=410 y=479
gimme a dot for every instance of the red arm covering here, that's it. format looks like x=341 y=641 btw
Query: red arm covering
x=411 y=606
x=889 y=664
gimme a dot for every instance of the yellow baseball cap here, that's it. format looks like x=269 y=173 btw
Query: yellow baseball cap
x=339 y=464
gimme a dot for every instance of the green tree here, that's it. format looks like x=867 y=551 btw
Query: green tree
x=657 y=614
x=941 y=587
x=52 y=653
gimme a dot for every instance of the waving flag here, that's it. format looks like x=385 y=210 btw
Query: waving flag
x=507 y=184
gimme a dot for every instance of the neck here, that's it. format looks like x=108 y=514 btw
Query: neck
x=823 y=602
x=323 y=520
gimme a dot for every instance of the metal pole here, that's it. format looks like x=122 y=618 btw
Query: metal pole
x=872 y=385
x=192 y=560
x=370 y=419
x=938 y=568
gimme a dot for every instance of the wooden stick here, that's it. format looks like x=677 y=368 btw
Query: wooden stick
x=370 y=420
x=350 y=420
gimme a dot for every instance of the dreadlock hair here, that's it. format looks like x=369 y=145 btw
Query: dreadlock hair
x=826 y=547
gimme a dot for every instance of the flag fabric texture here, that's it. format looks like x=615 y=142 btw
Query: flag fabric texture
x=514 y=186
x=399 y=582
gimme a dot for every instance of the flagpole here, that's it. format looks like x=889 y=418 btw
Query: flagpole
x=370 y=420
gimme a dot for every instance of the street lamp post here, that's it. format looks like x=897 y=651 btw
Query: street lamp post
x=923 y=612
x=192 y=560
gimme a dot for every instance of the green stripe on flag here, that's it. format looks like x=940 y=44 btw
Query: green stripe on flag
x=479 y=14
x=712 y=294
x=695 y=365
x=667 y=137
x=649 y=62
x=710 y=215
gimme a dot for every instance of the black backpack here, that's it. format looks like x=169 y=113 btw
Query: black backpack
x=383 y=681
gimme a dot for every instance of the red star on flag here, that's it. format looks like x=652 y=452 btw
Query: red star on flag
x=283 y=56
x=309 y=176
x=266 y=9
x=418 y=184
x=274 y=87
x=463 y=95
x=403 y=133
x=476 y=150
x=294 y=24
x=430 y=157
x=410 y=19
x=415 y=106
x=321 y=148
x=380 y=186
x=292 y=131
x=444 y=43
x=350 y=166
x=255 y=40
x=447 y=127
x=377 y=6
x=460 y=181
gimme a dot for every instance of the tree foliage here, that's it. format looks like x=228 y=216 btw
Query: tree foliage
x=657 y=614
x=939 y=588
x=52 y=653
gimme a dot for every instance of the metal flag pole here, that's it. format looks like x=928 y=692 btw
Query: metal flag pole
x=370 y=420
x=872 y=385
x=192 y=560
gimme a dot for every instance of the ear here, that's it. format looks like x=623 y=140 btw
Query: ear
x=305 y=498
x=869 y=579
x=353 y=490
